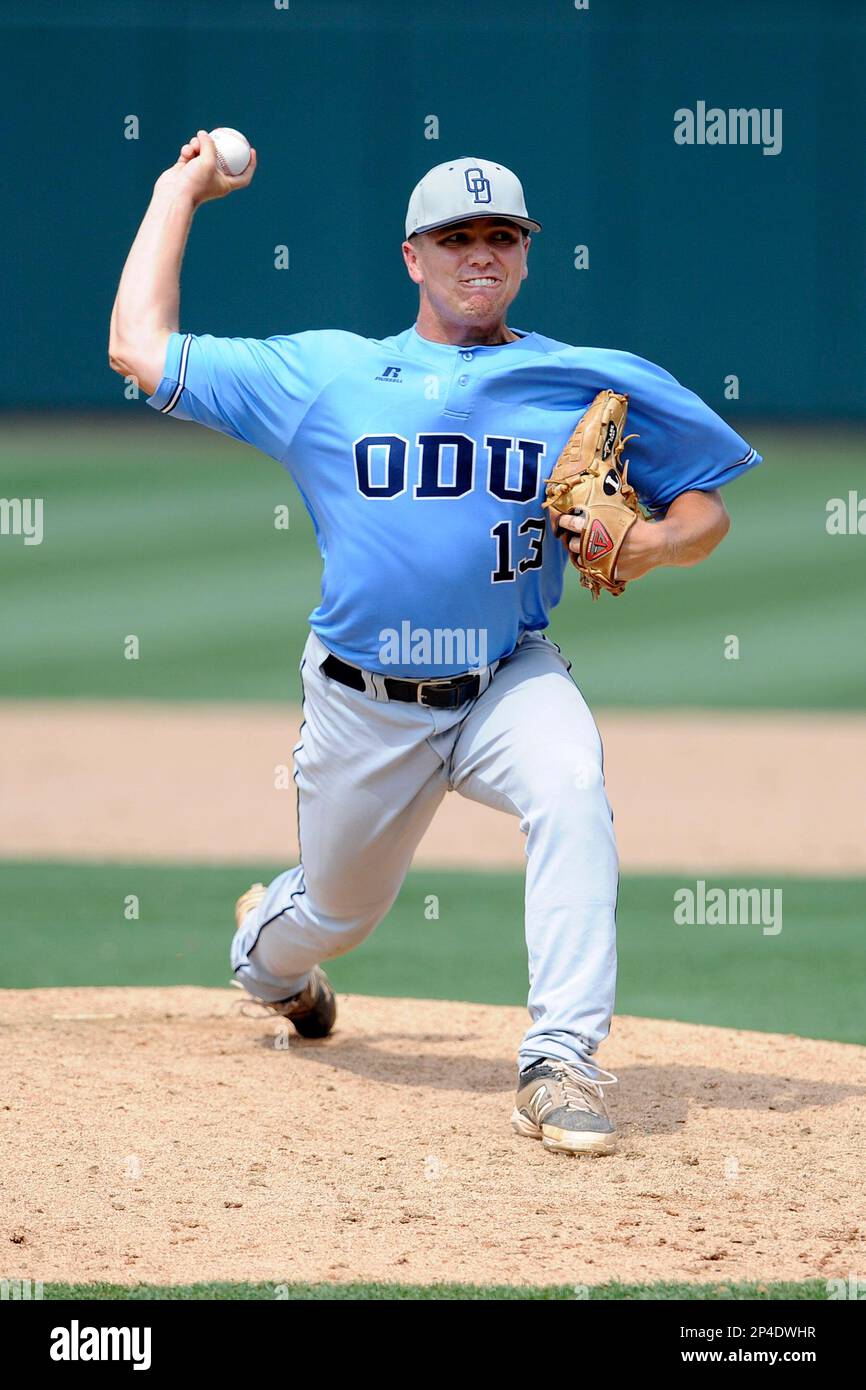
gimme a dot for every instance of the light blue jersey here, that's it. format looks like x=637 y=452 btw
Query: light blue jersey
x=423 y=465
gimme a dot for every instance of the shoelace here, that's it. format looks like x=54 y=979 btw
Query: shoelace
x=249 y=1007
x=576 y=1083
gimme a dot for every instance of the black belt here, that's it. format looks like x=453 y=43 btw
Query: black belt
x=450 y=693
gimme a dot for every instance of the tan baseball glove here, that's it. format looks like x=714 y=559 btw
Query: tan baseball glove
x=590 y=480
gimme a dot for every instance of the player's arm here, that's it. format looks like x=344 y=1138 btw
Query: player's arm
x=146 y=308
x=693 y=525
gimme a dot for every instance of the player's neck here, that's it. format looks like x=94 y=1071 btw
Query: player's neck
x=431 y=327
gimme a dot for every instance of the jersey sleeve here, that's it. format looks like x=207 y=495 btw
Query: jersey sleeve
x=683 y=445
x=256 y=390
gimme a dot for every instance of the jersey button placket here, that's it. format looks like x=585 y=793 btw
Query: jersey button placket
x=459 y=399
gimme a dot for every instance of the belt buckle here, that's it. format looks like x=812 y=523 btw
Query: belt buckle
x=442 y=680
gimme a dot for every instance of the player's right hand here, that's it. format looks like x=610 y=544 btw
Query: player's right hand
x=197 y=173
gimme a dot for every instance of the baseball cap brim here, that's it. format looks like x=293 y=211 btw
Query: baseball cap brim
x=525 y=222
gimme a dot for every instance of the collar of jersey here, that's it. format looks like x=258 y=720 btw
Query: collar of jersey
x=426 y=346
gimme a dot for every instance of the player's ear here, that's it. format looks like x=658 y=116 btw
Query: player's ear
x=413 y=264
x=527 y=242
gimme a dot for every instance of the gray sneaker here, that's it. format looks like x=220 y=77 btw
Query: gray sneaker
x=563 y=1106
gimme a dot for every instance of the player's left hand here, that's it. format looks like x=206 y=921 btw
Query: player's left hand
x=642 y=550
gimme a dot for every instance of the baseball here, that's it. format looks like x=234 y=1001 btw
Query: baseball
x=233 y=149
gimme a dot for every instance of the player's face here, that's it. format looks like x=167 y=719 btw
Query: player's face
x=469 y=272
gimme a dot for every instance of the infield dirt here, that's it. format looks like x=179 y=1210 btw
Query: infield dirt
x=697 y=792
x=161 y=1136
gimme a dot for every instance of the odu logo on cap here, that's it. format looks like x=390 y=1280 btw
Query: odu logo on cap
x=477 y=185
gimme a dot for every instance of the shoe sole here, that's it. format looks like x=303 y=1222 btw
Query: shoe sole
x=563 y=1141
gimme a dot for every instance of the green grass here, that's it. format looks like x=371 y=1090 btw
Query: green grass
x=814 y=1289
x=64 y=924
x=165 y=530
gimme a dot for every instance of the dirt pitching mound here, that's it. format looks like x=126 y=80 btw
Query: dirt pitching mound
x=159 y=1135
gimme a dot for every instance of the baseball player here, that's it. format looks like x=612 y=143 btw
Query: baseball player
x=423 y=459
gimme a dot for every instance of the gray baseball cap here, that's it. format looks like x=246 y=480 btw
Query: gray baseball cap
x=463 y=188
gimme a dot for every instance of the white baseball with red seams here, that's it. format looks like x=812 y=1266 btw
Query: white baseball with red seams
x=233 y=149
